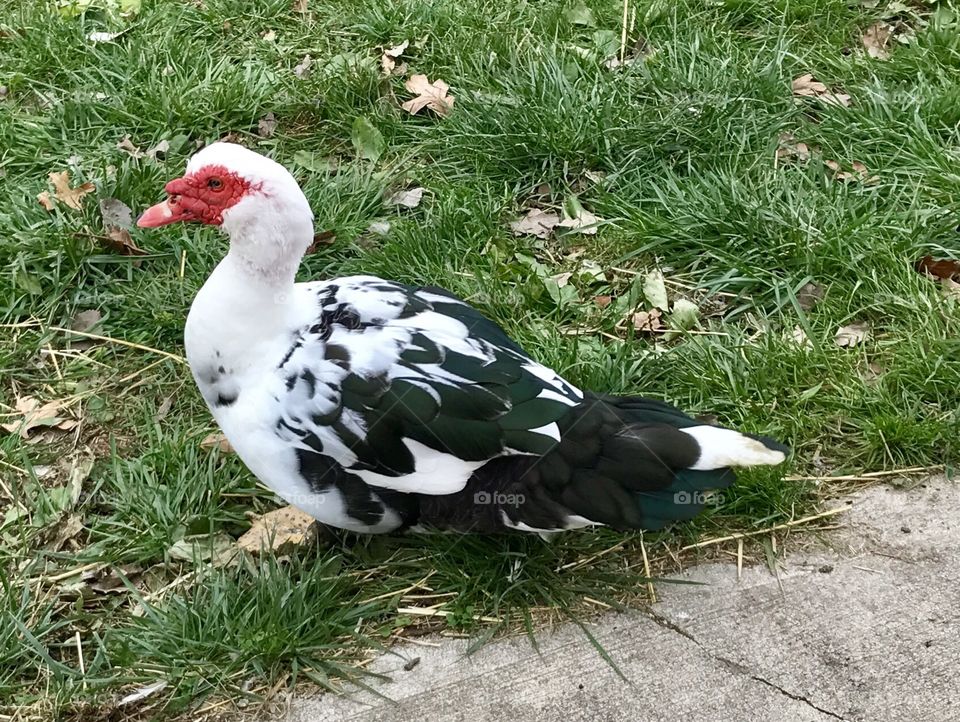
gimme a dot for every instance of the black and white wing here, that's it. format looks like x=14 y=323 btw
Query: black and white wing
x=411 y=389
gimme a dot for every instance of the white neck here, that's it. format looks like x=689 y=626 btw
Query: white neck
x=248 y=300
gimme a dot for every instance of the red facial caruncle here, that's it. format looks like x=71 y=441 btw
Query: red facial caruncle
x=201 y=196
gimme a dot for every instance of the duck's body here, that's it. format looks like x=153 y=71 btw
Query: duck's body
x=376 y=407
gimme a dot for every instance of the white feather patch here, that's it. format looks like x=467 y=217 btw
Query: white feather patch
x=720 y=448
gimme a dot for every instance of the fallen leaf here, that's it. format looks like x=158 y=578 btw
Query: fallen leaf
x=562 y=279
x=429 y=95
x=647 y=321
x=143 y=692
x=216 y=440
x=159 y=151
x=34 y=414
x=119 y=241
x=280 y=531
x=163 y=409
x=269 y=36
x=46 y=201
x=872 y=374
x=267 y=125
x=217 y=549
x=367 y=139
x=853 y=334
x=323 y=238
x=655 y=290
x=315 y=162
x=115 y=213
x=942 y=268
x=603 y=301
x=950 y=288
x=789 y=149
x=127 y=146
x=80 y=468
x=66 y=530
x=809 y=296
x=388 y=61
x=580 y=14
x=576 y=218
x=111 y=579
x=303 y=67
x=86 y=320
x=72 y=197
x=859 y=172
x=640 y=50
x=799 y=337
x=806 y=86
x=409 y=198
x=379 y=228
x=535 y=223
x=685 y=314
x=876 y=40
x=101 y=37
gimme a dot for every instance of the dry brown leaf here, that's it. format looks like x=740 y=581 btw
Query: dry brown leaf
x=159 y=150
x=267 y=125
x=647 y=321
x=115 y=213
x=806 y=86
x=323 y=238
x=799 y=337
x=303 y=67
x=216 y=440
x=280 y=532
x=852 y=334
x=119 y=241
x=83 y=322
x=127 y=146
x=163 y=409
x=72 y=197
x=603 y=301
x=810 y=295
x=408 y=198
x=67 y=529
x=429 y=95
x=34 y=414
x=876 y=39
x=535 y=223
x=46 y=201
x=859 y=172
x=942 y=268
x=950 y=288
x=640 y=50
x=583 y=222
x=789 y=149
x=388 y=61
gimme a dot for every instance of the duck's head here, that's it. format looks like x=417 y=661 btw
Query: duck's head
x=252 y=198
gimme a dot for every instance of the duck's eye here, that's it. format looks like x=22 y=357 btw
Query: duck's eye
x=214 y=184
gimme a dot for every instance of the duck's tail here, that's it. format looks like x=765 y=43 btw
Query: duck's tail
x=628 y=463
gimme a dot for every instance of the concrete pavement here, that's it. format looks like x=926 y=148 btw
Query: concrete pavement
x=863 y=625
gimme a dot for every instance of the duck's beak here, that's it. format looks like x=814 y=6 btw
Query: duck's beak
x=163 y=213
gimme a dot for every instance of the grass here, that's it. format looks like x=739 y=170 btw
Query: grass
x=684 y=142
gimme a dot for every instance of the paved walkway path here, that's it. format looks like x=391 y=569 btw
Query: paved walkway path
x=865 y=626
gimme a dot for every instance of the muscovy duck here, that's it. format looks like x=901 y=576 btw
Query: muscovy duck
x=376 y=406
